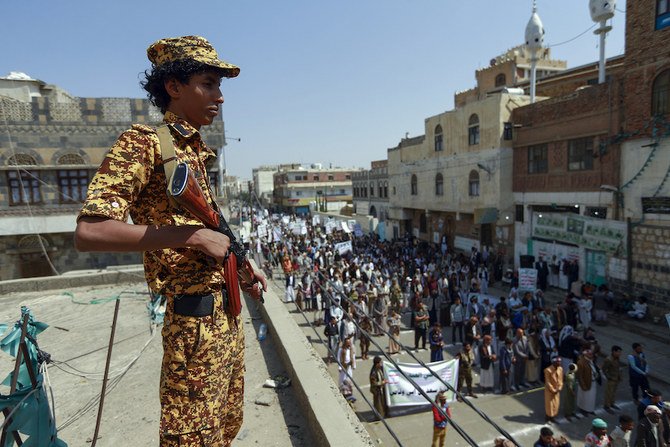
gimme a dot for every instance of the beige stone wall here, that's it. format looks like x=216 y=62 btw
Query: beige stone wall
x=457 y=160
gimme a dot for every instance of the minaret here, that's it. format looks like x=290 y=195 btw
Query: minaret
x=601 y=11
x=534 y=44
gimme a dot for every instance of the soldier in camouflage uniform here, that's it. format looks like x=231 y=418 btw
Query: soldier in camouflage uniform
x=202 y=376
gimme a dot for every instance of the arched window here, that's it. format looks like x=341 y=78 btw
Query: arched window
x=438 y=138
x=439 y=185
x=414 y=186
x=21 y=160
x=473 y=184
x=32 y=243
x=473 y=130
x=660 y=94
x=372 y=189
x=70 y=159
x=373 y=211
x=501 y=80
x=386 y=189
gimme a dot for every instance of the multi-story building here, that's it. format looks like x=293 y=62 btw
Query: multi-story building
x=565 y=161
x=644 y=190
x=455 y=181
x=51 y=143
x=297 y=188
x=602 y=151
x=263 y=183
x=371 y=195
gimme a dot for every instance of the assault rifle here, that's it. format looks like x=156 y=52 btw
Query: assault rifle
x=186 y=191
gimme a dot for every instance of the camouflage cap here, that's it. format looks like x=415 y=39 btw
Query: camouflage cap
x=189 y=47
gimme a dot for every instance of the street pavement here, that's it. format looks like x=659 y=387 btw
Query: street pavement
x=521 y=414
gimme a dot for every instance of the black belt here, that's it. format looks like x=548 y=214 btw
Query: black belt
x=196 y=305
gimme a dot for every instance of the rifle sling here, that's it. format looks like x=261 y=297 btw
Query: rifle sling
x=166 y=143
x=233 y=304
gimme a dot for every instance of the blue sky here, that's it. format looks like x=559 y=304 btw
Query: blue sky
x=330 y=82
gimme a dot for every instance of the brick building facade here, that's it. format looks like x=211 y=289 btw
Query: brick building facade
x=603 y=151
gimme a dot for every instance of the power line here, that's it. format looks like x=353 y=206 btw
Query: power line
x=328 y=295
x=574 y=38
x=457 y=427
x=358 y=388
x=433 y=373
x=23 y=188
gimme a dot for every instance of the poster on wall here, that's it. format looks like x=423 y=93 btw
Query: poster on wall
x=550 y=249
x=401 y=393
x=592 y=233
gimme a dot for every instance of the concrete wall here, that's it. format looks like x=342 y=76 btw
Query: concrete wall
x=22 y=256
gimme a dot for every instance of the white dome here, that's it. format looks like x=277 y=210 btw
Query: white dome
x=601 y=9
x=18 y=76
x=534 y=33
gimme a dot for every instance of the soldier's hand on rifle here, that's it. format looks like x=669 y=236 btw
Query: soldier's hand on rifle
x=260 y=283
x=212 y=243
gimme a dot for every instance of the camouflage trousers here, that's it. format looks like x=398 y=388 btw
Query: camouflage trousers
x=202 y=379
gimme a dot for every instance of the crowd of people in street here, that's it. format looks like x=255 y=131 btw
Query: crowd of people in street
x=515 y=342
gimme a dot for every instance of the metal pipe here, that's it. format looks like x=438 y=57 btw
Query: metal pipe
x=104 y=380
x=629 y=257
x=601 y=65
x=533 y=71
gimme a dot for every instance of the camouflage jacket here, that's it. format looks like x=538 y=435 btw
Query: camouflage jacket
x=131 y=182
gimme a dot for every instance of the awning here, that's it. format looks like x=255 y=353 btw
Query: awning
x=486 y=215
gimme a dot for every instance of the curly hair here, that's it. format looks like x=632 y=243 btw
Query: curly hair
x=181 y=70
